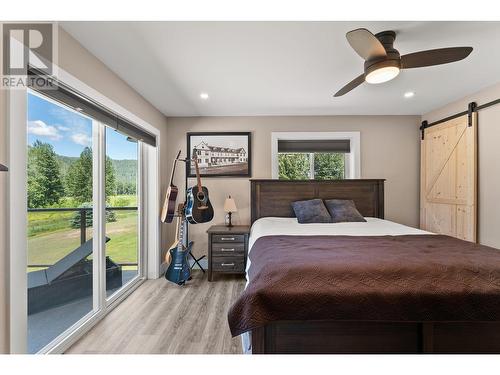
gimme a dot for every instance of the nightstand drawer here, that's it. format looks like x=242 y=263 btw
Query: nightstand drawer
x=225 y=238
x=228 y=264
x=228 y=249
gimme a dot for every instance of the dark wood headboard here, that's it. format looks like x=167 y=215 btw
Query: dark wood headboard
x=274 y=197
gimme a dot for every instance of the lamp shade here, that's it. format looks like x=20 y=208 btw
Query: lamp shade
x=229 y=205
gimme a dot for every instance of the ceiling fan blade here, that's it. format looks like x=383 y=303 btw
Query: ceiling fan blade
x=365 y=44
x=351 y=85
x=434 y=57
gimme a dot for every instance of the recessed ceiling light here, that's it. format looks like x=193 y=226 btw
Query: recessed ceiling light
x=204 y=96
x=409 y=94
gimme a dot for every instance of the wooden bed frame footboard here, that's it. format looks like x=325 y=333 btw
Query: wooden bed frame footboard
x=361 y=337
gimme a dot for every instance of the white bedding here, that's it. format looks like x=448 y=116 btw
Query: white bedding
x=269 y=226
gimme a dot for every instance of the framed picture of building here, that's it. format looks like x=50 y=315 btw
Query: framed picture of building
x=224 y=154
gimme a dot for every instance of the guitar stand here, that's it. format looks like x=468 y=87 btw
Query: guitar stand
x=197 y=261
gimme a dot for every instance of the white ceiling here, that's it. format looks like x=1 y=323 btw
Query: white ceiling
x=285 y=68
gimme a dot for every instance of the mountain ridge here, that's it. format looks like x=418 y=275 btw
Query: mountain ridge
x=125 y=169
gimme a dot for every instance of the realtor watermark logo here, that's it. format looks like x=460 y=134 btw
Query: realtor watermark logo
x=28 y=47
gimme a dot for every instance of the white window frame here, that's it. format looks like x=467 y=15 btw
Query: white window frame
x=353 y=158
x=17 y=208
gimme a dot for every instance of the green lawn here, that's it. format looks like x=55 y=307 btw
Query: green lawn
x=51 y=237
x=123 y=201
x=44 y=222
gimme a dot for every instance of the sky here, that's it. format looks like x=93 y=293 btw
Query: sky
x=70 y=132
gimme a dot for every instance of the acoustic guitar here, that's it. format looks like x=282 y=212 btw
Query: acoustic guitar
x=198 y=206
x=178 y=270
x=168 y=210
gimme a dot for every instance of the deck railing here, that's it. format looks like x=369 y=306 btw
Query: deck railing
x=83 y=224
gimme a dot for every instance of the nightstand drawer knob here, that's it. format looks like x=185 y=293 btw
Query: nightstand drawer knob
x=227 y=264
x=222 y=249
x=227 y=238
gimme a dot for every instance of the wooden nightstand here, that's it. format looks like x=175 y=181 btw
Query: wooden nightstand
x=227 y=249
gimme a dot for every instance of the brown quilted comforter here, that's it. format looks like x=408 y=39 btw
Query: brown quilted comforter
x=383 y=278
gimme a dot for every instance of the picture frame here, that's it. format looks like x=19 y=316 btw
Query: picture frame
x=220 y=154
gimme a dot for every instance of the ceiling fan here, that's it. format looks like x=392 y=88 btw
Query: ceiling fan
x=383 y=62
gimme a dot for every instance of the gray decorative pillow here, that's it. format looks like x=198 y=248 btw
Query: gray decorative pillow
x=311 y=211
x=342 y=210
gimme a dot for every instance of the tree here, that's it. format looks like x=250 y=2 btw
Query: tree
x=45 y=185
x=110 y=178
x=79 y=179
x=328 y=166
x=296 y=166
x=125 y=188
x=293 y=166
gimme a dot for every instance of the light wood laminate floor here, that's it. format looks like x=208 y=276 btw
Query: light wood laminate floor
x=163 y=318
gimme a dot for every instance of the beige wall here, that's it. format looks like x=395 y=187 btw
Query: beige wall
x=488 y=159
x=389 y=149
x=79 y=62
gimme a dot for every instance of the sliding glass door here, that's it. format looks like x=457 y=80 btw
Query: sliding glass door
x=60 y=251
x=83 y=185
x=122 y=214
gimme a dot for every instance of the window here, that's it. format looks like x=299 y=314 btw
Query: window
x=60 y=177
x=311 y=166
x=318 y=156
x=122 y=214
x=84 y=248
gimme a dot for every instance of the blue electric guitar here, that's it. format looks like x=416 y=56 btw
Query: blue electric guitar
x=178 y=270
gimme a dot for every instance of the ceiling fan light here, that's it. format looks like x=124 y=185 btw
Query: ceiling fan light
x=383 y=74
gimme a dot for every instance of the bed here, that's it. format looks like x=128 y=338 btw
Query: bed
x=374 y=287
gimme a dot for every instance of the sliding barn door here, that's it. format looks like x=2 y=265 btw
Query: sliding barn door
x=448 y=201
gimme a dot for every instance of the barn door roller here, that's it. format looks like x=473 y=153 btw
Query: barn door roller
x=471 y=108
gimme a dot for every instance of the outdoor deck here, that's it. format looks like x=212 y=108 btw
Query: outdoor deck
x=56 y=250
x=45 y=326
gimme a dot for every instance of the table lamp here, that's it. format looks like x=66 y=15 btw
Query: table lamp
x=229 y=207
